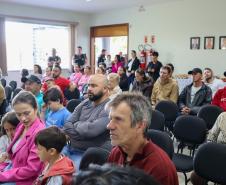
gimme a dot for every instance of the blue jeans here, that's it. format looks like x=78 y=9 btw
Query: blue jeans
x=74 y=154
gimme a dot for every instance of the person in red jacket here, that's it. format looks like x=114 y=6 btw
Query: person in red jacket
x=130 y=116
x=59 y=169
x=219 y=98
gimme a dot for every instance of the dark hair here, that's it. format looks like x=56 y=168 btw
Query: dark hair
x=25 y=97
x=142 y=73
x=51 y=137
x=171 y=66
x=39 y=68
x=123 y=68
x=133 y=51
x=167 y=67
x=79 y=47
x=53 y=94
x=11 y=118
x=155 y=53
x=113 y=175
x=118 y=58
x=24 y=72
x=225 y=73
x=57 y=66
x=102 y=69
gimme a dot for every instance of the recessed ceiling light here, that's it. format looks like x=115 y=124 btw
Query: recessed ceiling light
x=88 y=0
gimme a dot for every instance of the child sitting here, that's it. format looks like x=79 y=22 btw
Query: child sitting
x=59 y=169
x=8 y=125
x=58 y=114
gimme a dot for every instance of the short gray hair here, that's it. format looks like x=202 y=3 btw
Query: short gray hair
x=140 y=107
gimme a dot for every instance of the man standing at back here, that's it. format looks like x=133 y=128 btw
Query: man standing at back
x=130 y=117
x=87 y=125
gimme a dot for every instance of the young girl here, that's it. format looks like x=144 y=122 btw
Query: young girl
x=8 y=125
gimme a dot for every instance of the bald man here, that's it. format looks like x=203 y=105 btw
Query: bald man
x=87 y=126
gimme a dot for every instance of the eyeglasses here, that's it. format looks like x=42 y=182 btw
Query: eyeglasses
x=25 y=113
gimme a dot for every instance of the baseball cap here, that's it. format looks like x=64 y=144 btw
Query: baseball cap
x=195 y=71
x=33 y=78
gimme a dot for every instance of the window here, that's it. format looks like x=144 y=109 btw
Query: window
x=28 y=44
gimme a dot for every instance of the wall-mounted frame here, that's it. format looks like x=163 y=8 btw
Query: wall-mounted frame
x=222 y=42
x=209 y=42
x=195 y=43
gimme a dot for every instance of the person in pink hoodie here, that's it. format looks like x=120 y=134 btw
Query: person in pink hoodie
x=116 y=64
x=25 y=164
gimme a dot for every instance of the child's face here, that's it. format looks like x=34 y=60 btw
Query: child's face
x=10 y=130
x=43 y=153
x=53 y=105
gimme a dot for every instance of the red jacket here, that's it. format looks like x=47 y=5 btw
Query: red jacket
x=219 y=98
x=63 y=167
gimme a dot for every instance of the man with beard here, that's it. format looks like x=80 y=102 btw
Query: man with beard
x=87 y=126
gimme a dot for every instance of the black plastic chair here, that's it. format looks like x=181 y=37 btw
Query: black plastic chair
x=3 y=82
x=157 y=120
x=191 y=131
x=209 y=113
x=16 y=91
x=13 y=85
x=93 y=155
x=8 y=93
x=210 y=163
x=170 y=111
x=69 y=95
x=162 y=140
x=72 y=104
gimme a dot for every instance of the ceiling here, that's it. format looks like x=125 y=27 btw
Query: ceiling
x=87 y=6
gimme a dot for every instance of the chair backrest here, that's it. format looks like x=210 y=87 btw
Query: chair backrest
x=93 y=155
x=162 y=140
x=190 y=129
x=3 y=82
x=169 y=109
x=8 y=93
x=209 y=162
x=209 y=113
x=72 y=104
x=16 y=91
x=13 y=85
x=157 y=120
x=69 y=95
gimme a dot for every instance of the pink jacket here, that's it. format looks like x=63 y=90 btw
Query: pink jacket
x=26 y=165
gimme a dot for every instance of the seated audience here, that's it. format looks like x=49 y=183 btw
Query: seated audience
x=195 y=95
x=124 y=80
x=25 y=165
x=216 y=134
x=8 y=126
x=48 y=74
x=113 y=85
x=165 y=88
x=100 y=70
x=211 y=81
x=116 y=64
x=142 y=83
x=154 y=66
x=219 y=98
x=3 y=101
x=132 y=66
x=130 y=116
x=76 y=76
x=33 y=84
x=57 y=114
x=86 y=127
x=58 y=169
x=113 y=175
x=38 y=71
x=108 y=63
x=84 y=78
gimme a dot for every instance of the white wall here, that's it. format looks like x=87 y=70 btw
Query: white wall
x=173 y=24
x=52 y=14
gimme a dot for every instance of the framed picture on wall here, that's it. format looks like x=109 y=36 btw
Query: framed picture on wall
x=194 y=43
x=222 y=42
x=209 y=42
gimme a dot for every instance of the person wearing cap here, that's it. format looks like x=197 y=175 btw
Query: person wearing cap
x=211 y=81
x=33 y=84
x=194 y=95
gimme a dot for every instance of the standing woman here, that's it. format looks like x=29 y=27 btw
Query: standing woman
x=38 y=71
x=25 y=165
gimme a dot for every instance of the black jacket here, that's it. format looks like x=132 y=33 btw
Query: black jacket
x=124 y=82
